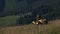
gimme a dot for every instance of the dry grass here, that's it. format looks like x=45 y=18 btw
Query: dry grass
x=52 y=28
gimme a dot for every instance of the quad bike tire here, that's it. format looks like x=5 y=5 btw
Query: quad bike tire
x=39 y=23
x=45 y=22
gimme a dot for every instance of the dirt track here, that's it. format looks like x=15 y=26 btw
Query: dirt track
x=31 y=29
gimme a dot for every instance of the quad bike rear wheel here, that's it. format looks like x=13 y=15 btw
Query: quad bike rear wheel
x=45 y=22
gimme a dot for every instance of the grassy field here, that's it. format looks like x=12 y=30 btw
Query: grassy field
x=52 y=28
x=8 y=20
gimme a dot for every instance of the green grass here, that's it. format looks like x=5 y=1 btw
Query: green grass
x=8 y=20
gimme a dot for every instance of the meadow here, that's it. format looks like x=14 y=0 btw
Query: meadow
x=52 y=28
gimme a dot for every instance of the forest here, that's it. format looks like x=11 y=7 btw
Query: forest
x=49 y=9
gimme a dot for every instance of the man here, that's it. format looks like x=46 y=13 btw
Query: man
x=37 y=17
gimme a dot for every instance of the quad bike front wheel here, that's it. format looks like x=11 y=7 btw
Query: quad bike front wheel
x=35 y=22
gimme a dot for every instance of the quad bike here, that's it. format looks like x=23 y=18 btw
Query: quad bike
x=41 y=21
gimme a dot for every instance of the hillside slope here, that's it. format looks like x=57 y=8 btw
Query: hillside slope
x=52 y=28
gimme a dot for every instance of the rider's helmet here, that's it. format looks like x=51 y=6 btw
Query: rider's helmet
x=37 y=15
